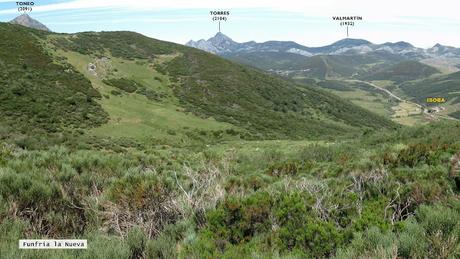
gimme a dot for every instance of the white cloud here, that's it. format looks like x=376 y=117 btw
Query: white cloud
x=131 y=20
x=420 y=21
x=371 y=10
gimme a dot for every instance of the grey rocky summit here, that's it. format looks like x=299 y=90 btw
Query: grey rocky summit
x=217 y=44
x=27 y=21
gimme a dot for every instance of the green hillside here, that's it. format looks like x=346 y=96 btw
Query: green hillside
x=403 y=71
x=270 y=60
x=455 y=115
x=447 y=86
x=319 y=67
x=444 y=86
x=349 y=65
x=332 y=72
x=39 y=96
x=270 y=104
x=153 y=90
x=300 y=66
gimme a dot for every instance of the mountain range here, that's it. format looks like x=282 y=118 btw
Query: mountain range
x=223 y=45
x=414 y=72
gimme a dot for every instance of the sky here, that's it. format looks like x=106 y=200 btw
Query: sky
x=422 y=23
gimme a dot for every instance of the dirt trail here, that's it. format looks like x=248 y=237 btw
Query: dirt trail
x=384 y=90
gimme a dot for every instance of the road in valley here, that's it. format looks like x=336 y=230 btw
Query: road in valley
x=425 y=111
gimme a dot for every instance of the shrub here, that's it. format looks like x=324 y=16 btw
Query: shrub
x=142 y=199
x=124 y=84
x=115 y=92
x=412 y=241
x=300 y=229
x=290 y=168
x=418 y=154
x=438 y=219
x=101 y=246
x=136 y=241
x=164 y=246
x=238 y=220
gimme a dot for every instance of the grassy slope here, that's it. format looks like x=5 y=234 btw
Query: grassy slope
x=133 y=115
x=360 y=94
x=209 y=86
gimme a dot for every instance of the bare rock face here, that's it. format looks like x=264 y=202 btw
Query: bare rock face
x=101 y=67
x=92 y=68
x=27 y=21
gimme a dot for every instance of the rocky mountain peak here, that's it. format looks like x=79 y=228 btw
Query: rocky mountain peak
x=27 y=21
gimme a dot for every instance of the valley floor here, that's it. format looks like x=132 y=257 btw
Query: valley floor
x=391 y=104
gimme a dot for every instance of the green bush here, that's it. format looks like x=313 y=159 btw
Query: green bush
x=432 y=233
x=412 y=241
x=136 y=241
x=238 y=220
x=439 y=220
x=124 y=84
x=291 y=168
x=115 y=92
x=164 y=246
x=301 y=230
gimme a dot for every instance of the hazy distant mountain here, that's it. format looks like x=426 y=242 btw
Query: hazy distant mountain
x=27 y=21
x=444 y=51
x=223 y=45
x=345 y=46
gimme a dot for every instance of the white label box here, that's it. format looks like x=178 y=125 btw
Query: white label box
x=53 y=244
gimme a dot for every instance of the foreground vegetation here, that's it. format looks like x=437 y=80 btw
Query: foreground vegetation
x=388 y=194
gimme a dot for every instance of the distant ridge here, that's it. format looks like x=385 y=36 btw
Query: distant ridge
x=27 y=21
x=223 y=45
